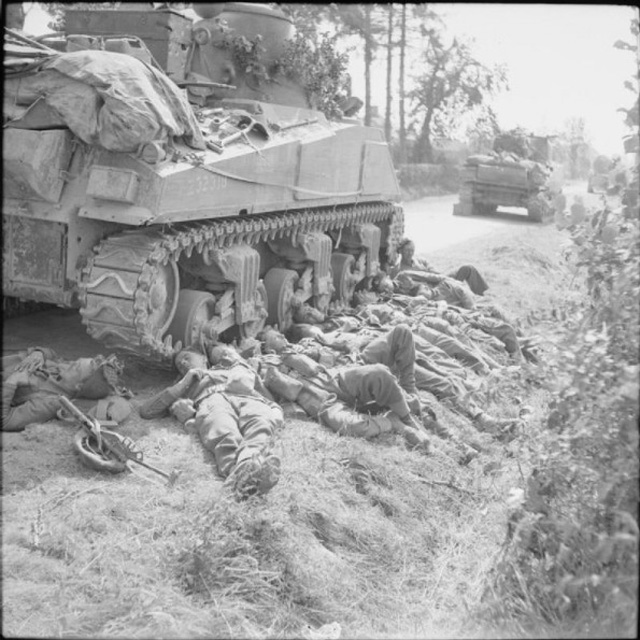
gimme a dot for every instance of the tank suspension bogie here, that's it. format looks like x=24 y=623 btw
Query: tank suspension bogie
x=195 y=310
x=130 y=290
x=362 y=237
x=308 y=252
x=281 y=285
x=344 y=276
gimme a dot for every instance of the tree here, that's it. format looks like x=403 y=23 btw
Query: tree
x=387 y=111
x=455 y=82
x=57 y=10
x=401 y=89
x=14 y=16
x=482 y=131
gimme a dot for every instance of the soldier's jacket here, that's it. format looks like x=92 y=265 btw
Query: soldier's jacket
x=393 y=348
x=240 y=379
x=37 y=401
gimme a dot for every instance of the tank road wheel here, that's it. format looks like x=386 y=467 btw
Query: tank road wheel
x=342 y=265
x=195 y=309
x=252 y=328
x=280 y=285
x=162 y=296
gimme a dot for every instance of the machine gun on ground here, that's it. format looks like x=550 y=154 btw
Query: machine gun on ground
x=106 y=450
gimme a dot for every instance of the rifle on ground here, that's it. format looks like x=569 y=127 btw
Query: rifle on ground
x=110 y=445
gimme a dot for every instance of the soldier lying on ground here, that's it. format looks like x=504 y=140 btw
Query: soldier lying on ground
x=232 y=412
x=429 y=327
x=408 y=261
x=444 y=385
x=32 y=380
x=415 y=284
x=364 y=400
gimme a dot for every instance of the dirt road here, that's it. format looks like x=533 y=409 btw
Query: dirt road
x=429 y=222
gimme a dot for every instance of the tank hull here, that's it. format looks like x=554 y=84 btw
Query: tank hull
x=168 y=223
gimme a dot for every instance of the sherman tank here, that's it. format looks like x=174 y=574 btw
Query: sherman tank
x=175 y=193
x=516 y=174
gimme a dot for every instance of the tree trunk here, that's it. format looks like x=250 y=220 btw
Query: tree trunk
x=367 y=65
x=424 y=148
x=387 y=115
x=403 y=131
x=14 y=16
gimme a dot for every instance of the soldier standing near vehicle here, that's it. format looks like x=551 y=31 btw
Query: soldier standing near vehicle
x=232 y=412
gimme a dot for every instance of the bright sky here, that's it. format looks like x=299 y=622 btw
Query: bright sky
x=561 y=63
x=560 y=58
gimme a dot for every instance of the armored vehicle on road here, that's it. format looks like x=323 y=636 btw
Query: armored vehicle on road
x=509 y=177
x=174 y=192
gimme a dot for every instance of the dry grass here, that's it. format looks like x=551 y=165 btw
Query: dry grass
x=387 y=542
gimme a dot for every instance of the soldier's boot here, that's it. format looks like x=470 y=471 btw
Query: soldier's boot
x=255 y=475
x=282 y=385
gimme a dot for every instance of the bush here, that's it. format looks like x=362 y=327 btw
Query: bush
x=420 y=180
x=572 y=543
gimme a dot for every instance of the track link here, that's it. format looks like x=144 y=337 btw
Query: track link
x=125 y=289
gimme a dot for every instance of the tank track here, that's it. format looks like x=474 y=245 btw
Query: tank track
x=129 y=260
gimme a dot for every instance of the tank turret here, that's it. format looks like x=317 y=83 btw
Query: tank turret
x=240 y=45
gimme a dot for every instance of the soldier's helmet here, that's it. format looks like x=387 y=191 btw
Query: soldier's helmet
x=92 y=456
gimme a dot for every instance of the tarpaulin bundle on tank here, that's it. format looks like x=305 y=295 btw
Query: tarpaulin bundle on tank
x=105 y=98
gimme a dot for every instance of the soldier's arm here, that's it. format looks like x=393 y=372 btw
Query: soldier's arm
x=159 y=405
x=262 y=389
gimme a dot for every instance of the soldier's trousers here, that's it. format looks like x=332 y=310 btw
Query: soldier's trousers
x=397 y=351
x=234 y=427
x=371 y=387
x=453 y=348
x=501 y=330
x=449 y=387
x=470 y=275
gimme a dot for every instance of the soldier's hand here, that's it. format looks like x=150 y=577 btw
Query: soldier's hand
x=413 y=402
x=19 y=378
x=191 y=375
x=183 y=410
x=33 y=362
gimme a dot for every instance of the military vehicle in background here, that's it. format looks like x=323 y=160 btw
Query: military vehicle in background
x=176 y=194
x=516 y=174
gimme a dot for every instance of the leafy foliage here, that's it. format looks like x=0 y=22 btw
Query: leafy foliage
x=572 y=549
x=574 y=534
x=321 y=70
x=454 y=83
x=246 y=53
x=57 y=10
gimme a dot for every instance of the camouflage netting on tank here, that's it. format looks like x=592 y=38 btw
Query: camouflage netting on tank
x=108 y=99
